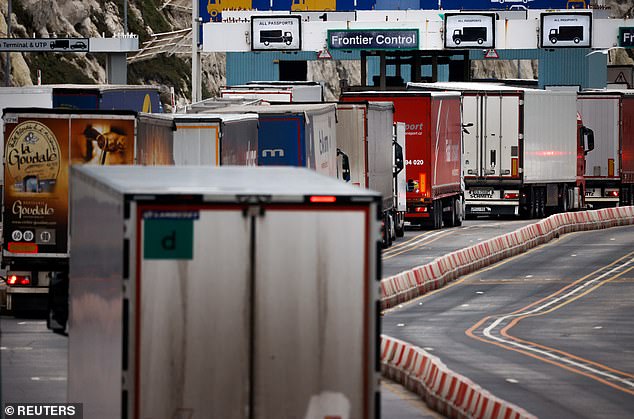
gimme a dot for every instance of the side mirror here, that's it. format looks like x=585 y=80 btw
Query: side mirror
x=345 y=165
x=589 y=134
x=399 y=164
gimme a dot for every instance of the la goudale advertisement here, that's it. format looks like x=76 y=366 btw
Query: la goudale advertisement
x=38 y=153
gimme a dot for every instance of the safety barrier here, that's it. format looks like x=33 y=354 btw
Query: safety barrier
x=445 y=391
x=420 y=280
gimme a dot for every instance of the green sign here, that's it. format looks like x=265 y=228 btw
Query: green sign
x=168 y=238
x=626 y=37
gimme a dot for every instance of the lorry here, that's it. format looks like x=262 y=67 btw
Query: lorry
x=470 y=34
x=609 y=173
x=566 y=33
x=276 y=36
x=433 y=148
x=365 y=133
x=277 y=92
x=228 y=292
x=81 y=97
x=303 y=135
x=523 y=149
x=40 y=146
x=215 y=139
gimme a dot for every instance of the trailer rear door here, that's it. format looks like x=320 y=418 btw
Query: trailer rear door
x=492 y=141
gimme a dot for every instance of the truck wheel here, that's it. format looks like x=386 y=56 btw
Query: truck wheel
x=480 y=41
x=437 y=214
x=266 y=43
x=400 y=226
x=577 y=40
x=457 y=41
x=458 y=212
x=564 y=199
x=385 y=236
x=553 y=40
x=450 y=219
x=541 y=203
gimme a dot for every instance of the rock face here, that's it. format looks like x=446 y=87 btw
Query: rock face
x=95 y=18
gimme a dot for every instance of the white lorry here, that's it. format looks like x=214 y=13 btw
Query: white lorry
x=523 y=149
x=229 y=292
x=276 y=91
x=365 y=133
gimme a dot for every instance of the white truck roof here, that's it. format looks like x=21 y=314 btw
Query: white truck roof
x=223 y=183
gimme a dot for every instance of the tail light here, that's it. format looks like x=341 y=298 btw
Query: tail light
x=511 y=195
x=420 y=209
x=19 y=280
x=612 y=193
x=423 y=184
x=323 y=199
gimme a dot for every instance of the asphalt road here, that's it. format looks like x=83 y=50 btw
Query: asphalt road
x=34 y=360
x=419 y=247
x=551 y=330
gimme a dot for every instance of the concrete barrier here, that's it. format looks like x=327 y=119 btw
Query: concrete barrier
x=443 y=390
x=420 y=280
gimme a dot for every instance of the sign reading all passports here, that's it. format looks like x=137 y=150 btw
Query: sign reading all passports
x=275 y=33
x=566 y=30
x=469 y=30
x=374 y=39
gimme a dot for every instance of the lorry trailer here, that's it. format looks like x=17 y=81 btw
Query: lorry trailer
x=365 y=133
x=277 y=92
x=215 y=139
x=40 y=146
x=523 y=149
x=609 y=170
x=228 y=292
x=432 y=147
x=301 y=135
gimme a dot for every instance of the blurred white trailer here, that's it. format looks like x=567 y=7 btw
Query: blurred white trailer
x=231 y=292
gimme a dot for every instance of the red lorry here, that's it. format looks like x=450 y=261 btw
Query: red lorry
x=433 y=149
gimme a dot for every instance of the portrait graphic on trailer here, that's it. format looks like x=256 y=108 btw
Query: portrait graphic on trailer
x=102 y=141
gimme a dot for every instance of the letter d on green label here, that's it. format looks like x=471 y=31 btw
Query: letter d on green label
x=168 y=239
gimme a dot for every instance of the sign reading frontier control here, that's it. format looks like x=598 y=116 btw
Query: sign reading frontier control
x=373 y=39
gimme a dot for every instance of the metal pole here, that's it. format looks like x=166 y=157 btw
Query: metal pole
x=7 y=70
x=196 y=86
x=125 y=16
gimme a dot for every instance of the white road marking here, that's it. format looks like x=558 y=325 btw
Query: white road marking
x=598 y=327
x=428 y=348
x=479 y=292
x=512 y=380
x=491 y=328
x=17 y=348
x=32 y=322
x=400 y=325
x=465 y=305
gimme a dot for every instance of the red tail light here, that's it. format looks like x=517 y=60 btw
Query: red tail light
x=18 y=280
x=323 y=199
x=420 y=209
x=613 y=194
x=511 y=195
